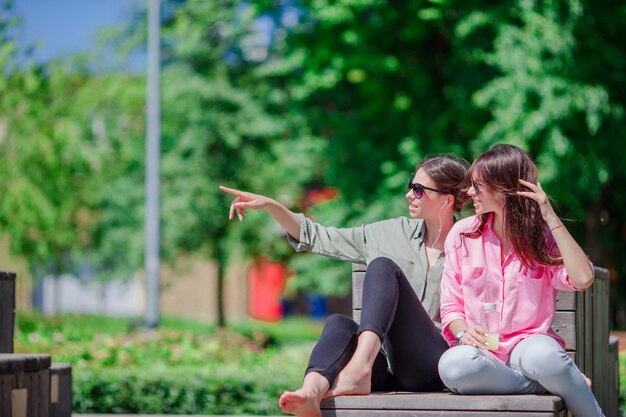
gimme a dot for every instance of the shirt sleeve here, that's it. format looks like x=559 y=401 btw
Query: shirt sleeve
x=558 y=274
x=452 y=304
x=348 y=244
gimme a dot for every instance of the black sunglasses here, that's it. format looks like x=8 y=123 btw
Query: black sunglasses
x=418 y=189
x=476 y=186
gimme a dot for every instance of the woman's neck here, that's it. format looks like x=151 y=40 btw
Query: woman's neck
x=498 y=229
x=436 y=232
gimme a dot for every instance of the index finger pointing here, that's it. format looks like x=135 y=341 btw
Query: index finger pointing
x=230 y=191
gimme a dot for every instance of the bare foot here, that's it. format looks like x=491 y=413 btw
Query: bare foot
x=302 y=403
x=350 y=382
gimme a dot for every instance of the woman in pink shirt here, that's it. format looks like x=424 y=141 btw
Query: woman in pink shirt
x=513 y=255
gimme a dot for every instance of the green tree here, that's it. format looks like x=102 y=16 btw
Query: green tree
x=223 y=124
x=46 y=162
x=557 y=92
x=387 y=83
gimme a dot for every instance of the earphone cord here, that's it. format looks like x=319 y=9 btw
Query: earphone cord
x=440 y=225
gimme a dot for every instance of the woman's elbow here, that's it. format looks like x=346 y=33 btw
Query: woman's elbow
x=583 y=280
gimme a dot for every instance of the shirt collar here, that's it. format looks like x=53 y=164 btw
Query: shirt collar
x=489 y=223
x=421 y=229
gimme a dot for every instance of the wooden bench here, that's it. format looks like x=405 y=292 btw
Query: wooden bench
x=7 y=311
x=30 y=385
x=582 y=320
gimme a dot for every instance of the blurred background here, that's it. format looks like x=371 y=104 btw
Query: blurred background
x=325 y=105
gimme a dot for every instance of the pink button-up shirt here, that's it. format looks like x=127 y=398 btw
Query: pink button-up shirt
x=473 y=275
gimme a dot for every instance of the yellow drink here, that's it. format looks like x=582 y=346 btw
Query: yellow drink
x=492 y=340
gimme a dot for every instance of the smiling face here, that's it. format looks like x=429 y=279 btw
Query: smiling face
x=431 y=201
x=484 y=199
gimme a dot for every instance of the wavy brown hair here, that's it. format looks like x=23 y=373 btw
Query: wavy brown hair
x=500 y=169
x=449 y=172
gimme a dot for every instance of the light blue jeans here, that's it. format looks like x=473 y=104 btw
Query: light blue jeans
x=538 y=364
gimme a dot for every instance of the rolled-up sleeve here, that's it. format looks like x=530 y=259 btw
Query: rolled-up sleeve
x=348 y=244
x=452 y=305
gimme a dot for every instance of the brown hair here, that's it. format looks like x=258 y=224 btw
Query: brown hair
x=448 y=171
x=500 y=169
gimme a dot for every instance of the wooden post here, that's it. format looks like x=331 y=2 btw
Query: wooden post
x=7 y=311
x=60 y=390
x=24 y=385
x=613 y=374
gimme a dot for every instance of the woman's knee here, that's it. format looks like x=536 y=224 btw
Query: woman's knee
x=382 y=262
x=338 y=323
x=541 y=355
x=380 y=270
x=459 y=364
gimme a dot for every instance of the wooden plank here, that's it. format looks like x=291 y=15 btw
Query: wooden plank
x=43 y=397
x=563 y=325
x=591 y=346
x=447 y=413
x=445 y=401
x=62 y=406
x=7 y=311
x=600 y=320
x=6 y=386
x=565 y=300
x=613 y=373
x=32 y=387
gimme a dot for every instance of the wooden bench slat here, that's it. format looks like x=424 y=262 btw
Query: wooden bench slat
x=445 y=401
x=565 y=300
x=563 y=325
x=7 y=311
x=438 y=413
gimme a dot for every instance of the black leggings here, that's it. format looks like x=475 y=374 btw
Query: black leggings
x=412 y=345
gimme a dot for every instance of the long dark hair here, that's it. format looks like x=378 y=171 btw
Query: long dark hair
x=448 y=171
x=500 y=169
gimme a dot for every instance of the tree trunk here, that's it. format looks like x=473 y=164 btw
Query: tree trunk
x=221 y=319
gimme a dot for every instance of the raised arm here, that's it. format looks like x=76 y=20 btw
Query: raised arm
x=289 y=220
x=576 y=263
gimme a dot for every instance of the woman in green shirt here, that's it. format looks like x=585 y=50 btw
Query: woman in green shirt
x=398 y=343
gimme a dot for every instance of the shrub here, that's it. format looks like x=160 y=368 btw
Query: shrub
x=216 y=389
x=181 y=368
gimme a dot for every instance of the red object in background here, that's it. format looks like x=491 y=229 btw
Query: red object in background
x=266 y=281
x=318 y=196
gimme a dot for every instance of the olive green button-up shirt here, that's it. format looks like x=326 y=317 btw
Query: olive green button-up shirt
x=400 y=239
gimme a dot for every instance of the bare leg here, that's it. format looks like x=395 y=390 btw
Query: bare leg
x=356 y=377
x=305 y=402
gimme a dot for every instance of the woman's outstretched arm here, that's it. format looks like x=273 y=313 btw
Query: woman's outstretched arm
x=289 y=220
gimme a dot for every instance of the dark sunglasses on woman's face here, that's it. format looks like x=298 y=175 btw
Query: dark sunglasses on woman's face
x=418 y=189
x=476 y=186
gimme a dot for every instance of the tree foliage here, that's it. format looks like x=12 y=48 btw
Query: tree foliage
x=291 y=97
